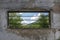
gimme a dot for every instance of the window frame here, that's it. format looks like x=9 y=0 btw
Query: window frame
x=29 y=11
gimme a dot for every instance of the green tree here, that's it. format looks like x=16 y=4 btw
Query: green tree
x=43 y=21
x=15 y=20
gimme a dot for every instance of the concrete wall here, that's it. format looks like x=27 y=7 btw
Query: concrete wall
x=57 y=34
x=56 y=20
x=3 y=18
x=6 y=5
x=13 y=4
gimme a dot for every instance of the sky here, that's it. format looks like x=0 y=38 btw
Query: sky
x=30 y=17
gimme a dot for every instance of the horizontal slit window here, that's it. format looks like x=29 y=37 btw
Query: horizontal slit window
x=29 y=19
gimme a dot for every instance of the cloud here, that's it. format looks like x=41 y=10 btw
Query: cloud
x=20 y=13
x=27 y=22
x=35 y=17
x=24 y=22
x=39 y=14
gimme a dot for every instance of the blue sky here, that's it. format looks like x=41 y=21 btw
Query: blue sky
x=32 y=13
x=29 y=14
x=30 y=17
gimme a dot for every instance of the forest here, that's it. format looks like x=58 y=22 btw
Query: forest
x=15 y=21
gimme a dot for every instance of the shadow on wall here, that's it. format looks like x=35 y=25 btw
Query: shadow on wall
x=58 y=38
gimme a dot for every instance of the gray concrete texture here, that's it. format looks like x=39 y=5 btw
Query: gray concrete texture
x=4 y=35
x=26 y=3
x=6 y=5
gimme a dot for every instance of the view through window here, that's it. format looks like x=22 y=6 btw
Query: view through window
x=28 y=20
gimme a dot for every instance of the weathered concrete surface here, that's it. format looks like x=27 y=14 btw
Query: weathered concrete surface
x=3 y=18
x=57 y=34
x=13 y=4
x=6 y=5
x=56 y=22
x=56 y=18
x=32 y=35
x=4 y=35
x=55 y=15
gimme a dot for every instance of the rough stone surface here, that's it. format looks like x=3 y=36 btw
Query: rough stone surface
x=12 y=4
x=4 y=35
x=6 y=5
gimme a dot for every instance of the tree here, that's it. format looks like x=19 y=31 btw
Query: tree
x=34 y=25
x=14 y=20
x=43 y=21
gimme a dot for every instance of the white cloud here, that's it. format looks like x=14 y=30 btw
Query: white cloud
x=24 y=22
x=39 y=14
x=35 y=17
x=27 y=22
x=20 y=13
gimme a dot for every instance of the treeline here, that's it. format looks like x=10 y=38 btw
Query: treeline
x=15 y=21
x=42 y=22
